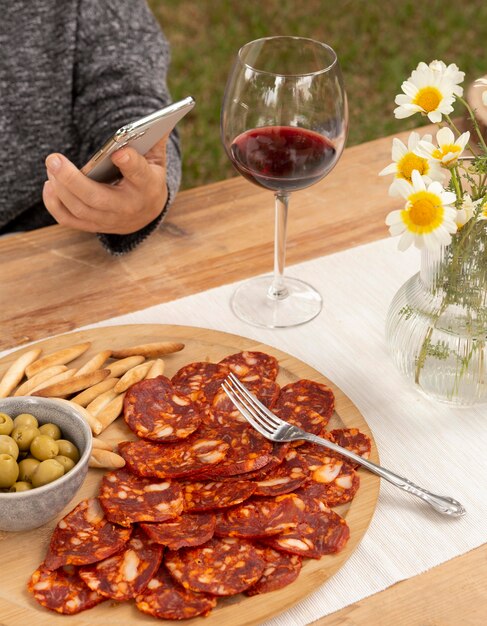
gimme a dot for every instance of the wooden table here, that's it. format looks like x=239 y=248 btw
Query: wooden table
x=55 y=280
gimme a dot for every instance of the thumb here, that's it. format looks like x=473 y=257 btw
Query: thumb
x=133 y=165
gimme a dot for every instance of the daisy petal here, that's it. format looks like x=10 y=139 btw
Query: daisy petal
x=394 y=217
x=406 y=240
x=398 y=149
x=390 y=169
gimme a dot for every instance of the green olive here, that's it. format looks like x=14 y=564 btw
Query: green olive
x=46 y=472
x=51 y=430
x=6 y=424
x=66 y=448
x=65 y=461
x=44 y=447
x=26 y=419
x=8 y=446
x=9 y=471
x=23 y=436
x=20 y=486
x=26 y=468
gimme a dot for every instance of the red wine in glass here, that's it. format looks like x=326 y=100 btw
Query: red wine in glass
x=284 y=123
x=282 y=158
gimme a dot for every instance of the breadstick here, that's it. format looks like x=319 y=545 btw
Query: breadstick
x=37 y=380
x=96 y=405
x=88 y=395
x=149 y=350
x=60 y=357
x=118 y=368
x=101 y=445
x=157 y=369
x=132 y=376
x=104 y=459
x=76 y=383
x=95 y=363
x=16 y=371
x=111 y=411
x=53 y=380
x=90 y=419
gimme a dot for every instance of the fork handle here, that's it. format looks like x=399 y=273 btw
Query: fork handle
x=442 y=504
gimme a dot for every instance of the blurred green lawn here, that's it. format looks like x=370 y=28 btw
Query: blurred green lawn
x=378 y=43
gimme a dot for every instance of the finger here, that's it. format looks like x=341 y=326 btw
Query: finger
x=60 y=213
x=72 y=203
x=157 y=154
x=90 y=192
x=133 y=166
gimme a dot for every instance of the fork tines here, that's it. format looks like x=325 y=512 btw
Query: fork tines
x=256 y=413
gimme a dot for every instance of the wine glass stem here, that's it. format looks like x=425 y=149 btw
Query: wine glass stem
x=278 y=289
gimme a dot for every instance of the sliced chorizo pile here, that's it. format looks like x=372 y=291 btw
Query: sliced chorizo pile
x=205 y=507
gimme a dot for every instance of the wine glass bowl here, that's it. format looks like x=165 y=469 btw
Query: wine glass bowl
x=284 y=123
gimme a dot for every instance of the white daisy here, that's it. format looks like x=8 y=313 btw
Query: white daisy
x=466 y=211
x=451 y=72
x=430 y=91
x=428 y=219
x=405 y=160
x=448 y=150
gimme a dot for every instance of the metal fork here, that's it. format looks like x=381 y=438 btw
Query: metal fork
x=276 y=429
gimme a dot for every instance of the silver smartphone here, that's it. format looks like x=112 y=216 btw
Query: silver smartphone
x=141 y=135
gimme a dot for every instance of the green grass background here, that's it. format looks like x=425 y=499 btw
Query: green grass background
x=378 y=44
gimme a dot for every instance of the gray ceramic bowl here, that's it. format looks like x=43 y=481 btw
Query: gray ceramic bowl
x=25 y=510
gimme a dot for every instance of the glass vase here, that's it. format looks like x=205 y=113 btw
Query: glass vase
x=436 y=326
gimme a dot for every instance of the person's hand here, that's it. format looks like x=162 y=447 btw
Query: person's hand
x=76 y=201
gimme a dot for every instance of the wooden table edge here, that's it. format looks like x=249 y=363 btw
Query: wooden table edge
x=450 y=593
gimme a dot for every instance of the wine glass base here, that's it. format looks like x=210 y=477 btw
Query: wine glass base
x=252 y=303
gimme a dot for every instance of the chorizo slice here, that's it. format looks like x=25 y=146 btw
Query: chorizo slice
x=85 y=536
x=62 y=590
x=331 y=480
x=187 y=530
x=200 y=381
x=352 y=439
x=221 y=567
x=153 y=409
x=247 y=450
x=285 y=478
x=164 y=598
x=127 y=498
x=252 y=363
x=207 y=496
x=281 y=569
x=319 y=532
x=265 y=389
x=260 y=517
x=306 y=404
x=126 y=573
x=173 y=460
x=277 y=455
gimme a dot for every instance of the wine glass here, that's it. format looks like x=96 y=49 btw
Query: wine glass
x=284 y=123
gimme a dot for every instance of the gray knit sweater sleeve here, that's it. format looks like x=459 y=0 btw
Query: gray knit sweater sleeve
x=71 y=73
x=121 y=61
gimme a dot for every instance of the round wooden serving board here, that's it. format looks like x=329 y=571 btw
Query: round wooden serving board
x=22 y=552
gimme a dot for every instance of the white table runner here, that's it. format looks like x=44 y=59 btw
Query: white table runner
x=438 y=447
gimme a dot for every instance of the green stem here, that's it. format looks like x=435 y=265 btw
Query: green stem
x=474 y=122
x=457 y=183
x=454 y=266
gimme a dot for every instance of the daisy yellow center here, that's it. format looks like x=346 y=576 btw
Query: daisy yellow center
x=410 y=162
x=442 y=151
x=424 y=213
x=428 y=98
